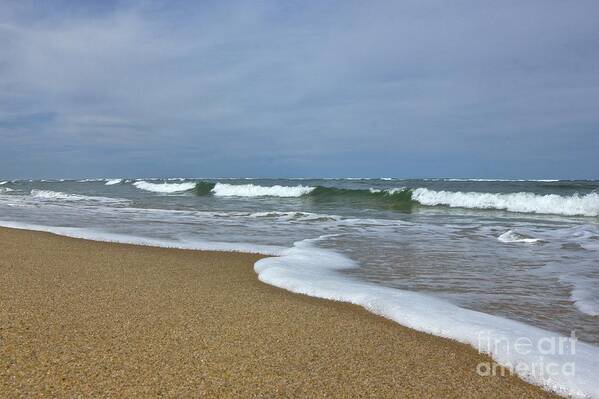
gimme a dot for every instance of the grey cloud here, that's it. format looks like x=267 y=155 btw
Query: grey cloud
x=319 y=88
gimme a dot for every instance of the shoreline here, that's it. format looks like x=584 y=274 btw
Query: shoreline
x=96 y=318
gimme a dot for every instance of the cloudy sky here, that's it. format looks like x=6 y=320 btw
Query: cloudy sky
x=300 y=88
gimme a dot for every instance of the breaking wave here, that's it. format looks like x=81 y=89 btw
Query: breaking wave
x=394 y=198
x=404 y=198
x=112 y=182
x=511 y=236
x=57 y=195
x=574 y=205
x=251 y=190
x=585 y=299
x=164 y=187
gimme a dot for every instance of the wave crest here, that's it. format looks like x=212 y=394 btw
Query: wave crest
x=57 y=195
x=512 y=236
x=164 y=187
x=395 y=198
x=251 y=190
x=402 y=198
x=575 y=205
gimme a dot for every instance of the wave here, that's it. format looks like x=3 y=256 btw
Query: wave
x=295 y=216
x=167 y=188
x=251 y=190
x=5 y=189
x=402 y=198
x=57 y=195
x=585 y=299
x=511 y=236
x=112 y=182
x=497 y=180
x=574 y=205
x=396 y=198
x=3 y=182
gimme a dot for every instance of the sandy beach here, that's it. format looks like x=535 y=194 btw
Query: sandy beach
x=92 y=319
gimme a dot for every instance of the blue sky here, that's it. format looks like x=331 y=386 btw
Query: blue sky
x=299 y=88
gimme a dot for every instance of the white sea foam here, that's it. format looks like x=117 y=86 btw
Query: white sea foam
x=57 y=195
x=511 y=236
x=395 y=190
x=5 y=189
x=388 y=191
x=112 y=182
x=3 y=182
x=251 y=190
x=295 y=216
x=312 y=271
x=574 y=205
x=103 y=236
x=164 y=187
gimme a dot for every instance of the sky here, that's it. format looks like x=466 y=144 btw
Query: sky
x=424 y=88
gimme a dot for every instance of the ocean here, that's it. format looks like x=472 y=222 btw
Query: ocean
x=458 y=258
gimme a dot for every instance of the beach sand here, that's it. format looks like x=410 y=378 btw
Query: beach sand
x=91 y=319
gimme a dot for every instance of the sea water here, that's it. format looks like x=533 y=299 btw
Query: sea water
x=465 y=259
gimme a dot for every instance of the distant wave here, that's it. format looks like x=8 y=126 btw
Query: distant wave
x=497 y=180
x=57 y=195
x=251 y=190
x=113 y=182
x=164 y=187
x=574 y=205
x=3 y=182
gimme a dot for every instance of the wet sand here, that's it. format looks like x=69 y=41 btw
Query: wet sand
x=91 y=319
